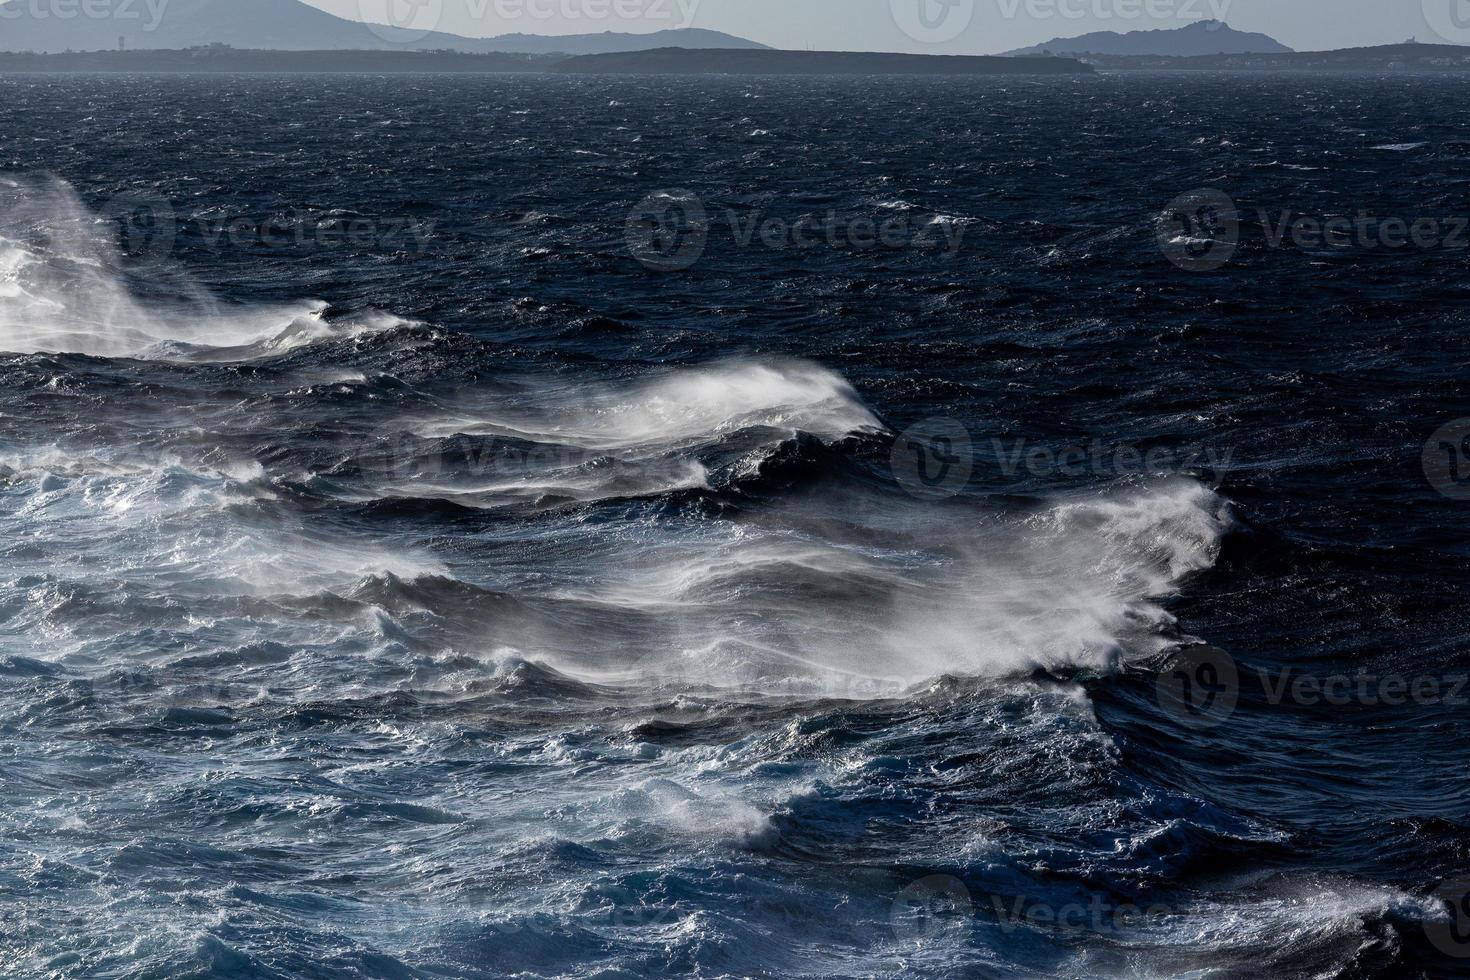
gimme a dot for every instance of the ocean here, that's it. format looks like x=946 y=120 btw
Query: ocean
x=584 y=527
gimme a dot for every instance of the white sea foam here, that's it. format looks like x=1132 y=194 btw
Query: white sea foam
x=64 y=289
x=807 y=602
x=594 y=441
x=681 y=407
x=162 y=520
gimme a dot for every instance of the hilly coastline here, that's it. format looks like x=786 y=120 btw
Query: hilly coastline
x=666 y=61
x=1207 y=37
x=1406 y=58
x=680 y=61
x=1383 y=58
x=290 y=25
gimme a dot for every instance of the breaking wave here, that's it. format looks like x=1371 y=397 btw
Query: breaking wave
x=65 y=288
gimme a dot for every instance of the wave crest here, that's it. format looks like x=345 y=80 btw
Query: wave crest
x=64 y=288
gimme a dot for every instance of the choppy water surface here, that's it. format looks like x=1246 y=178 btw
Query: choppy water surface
x=399 y=578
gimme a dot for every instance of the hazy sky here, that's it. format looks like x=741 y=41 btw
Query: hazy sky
x=951 y=26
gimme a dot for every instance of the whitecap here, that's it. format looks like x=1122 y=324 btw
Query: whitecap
x=64 y=289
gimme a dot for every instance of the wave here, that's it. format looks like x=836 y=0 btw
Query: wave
x=681 y=408
x=868 y=596
x=846 y=587
x=204 y=530
x=64 y=288
x=553 y=441
x=849 y=593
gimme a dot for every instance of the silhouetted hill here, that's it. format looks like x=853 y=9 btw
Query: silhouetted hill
x=1202 y=38
x=283 y=25
x=609 y=43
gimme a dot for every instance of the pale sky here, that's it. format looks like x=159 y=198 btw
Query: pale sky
x=938 y=26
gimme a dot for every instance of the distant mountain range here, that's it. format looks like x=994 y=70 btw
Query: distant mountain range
x=287 y=25
x=1204 y=37
x=1393 y=58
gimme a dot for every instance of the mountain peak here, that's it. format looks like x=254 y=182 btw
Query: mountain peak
x=290 y=25
x=1201 y=37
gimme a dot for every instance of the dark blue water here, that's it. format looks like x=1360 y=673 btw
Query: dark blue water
x=555 y=527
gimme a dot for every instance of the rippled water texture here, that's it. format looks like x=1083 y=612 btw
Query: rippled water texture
x=451 y=594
